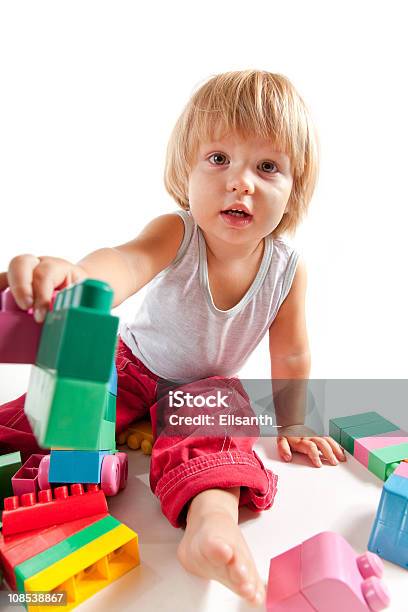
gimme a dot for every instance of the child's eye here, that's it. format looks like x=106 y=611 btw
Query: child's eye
x=269 y=167
x=217 y=156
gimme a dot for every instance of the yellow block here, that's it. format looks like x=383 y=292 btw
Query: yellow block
x=89 y=569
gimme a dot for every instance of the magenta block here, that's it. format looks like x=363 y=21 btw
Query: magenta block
x=19 y=333
x=402 y=470
x=363 y=446
x=26 y=479
x=324 y=574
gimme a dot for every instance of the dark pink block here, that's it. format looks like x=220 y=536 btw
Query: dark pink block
x=19 y=333
x=26 y=479
x=402 y=470
x=363 y=446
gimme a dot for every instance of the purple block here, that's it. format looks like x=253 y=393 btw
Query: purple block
x=363 y=446
x=26 y=479
x=19 y=333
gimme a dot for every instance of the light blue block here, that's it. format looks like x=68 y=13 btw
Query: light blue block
x=68 y=466
x=389 y=534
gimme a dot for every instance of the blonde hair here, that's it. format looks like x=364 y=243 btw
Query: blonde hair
x=247 y=102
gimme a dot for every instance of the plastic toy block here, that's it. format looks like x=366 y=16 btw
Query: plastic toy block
x=31 y=512
x=64 y=412
x=336 y=425
x=113 y=381
x=383 y=461
x=26 y=479
x=70 y=466
x=16 y=549
x=107 y=436
x=79 y=335
x=138 y=435
x=325 y=574
x=110 y=408
x=37 y=563
x=9 y=465
x=363 y=446
x=389 y=534
x=89 y=569
x=19 y=333
x=350 y=434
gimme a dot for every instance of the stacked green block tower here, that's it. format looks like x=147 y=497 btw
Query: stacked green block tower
x=68 y=402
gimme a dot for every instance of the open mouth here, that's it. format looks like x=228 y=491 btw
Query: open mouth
x=235 y=213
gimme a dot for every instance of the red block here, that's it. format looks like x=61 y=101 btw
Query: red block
x=18 y=548
x=27 y=513
x=19 y=333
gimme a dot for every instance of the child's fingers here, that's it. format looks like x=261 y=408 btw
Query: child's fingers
x=308 y=447
x=338 y=451
x=20 y=277
x=327 y=450
x=284 y=448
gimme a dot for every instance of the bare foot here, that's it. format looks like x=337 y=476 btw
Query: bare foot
x=213 y=546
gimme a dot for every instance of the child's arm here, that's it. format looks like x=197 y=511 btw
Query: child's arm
x=290 y=368
x=127 y=267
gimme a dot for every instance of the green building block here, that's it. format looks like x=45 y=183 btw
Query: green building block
x=78 y=339
x=64 y=412
x=9 y=465
x=383 y=461
x=349 y=434
x=336 y=425
x=106 y=439
x=110 y=410
x=48 y=557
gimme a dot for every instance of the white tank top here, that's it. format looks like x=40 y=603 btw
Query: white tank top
x=179 y=333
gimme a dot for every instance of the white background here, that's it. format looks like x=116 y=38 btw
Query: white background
x=91 y=90
x=89 y=93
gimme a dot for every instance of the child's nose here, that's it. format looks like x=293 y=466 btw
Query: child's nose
x=242 y=185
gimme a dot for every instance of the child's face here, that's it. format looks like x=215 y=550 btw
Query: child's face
x=235 y=169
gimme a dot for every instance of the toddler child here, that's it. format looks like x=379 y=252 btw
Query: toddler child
x=241 y=165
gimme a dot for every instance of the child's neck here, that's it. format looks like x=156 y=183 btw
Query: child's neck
x=223 y=253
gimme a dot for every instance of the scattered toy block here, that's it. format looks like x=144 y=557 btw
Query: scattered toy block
x=325 y=574
x=336 y=425
x=350 y=434
x=383 y=461
x=20 y=334
x=138 y=435
x=363 y=446
x=79 y=336
x=64 y=412
x=389 y=534
x=26 y=479
x=18 y=548
x=9 y=465
x=69 y=466
x=345 y=430
x=84 y=568
x=31 y=512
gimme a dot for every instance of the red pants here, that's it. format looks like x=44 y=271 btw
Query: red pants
x=181 y=466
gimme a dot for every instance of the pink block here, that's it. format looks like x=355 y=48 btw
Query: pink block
x=402 y=469
x=363 y=446
x=324 y=574
x=19 y=333
x=26 y=479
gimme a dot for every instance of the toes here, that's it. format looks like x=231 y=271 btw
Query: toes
x=217 y=552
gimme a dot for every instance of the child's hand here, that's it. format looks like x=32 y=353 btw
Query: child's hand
x=32 y=281
x=305 y=440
